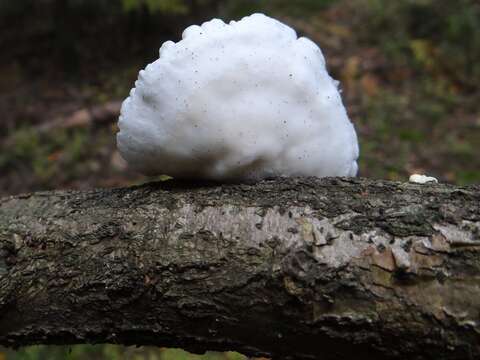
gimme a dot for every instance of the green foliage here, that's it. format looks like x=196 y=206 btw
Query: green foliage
x=298 y=7
x=439 y=38
x=58 y=154
x=304 y=8
x=30 y=152
x=170 y=6
x=15 y=8
x=111 y=352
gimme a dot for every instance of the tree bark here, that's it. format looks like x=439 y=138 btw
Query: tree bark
x=287 y=268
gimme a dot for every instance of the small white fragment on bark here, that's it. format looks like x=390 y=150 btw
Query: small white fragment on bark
x=422 y=179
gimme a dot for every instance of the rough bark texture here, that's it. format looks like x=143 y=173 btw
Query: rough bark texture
x=288 y=268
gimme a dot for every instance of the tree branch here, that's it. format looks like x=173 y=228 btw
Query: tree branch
x=287 y=268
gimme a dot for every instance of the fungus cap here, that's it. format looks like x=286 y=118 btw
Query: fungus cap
x=244 y=100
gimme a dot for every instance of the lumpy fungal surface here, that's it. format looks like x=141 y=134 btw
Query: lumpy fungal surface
x=244 y=100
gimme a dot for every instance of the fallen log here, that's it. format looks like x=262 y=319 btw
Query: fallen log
x=98 y=114
x=287 y=268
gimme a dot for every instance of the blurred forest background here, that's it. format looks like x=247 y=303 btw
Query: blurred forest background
x=409 y=70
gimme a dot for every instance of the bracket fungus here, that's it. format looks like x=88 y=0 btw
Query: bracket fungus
x=240 y=101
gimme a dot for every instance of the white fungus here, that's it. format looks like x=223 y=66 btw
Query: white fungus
x=244 y=100
x=422 y=179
